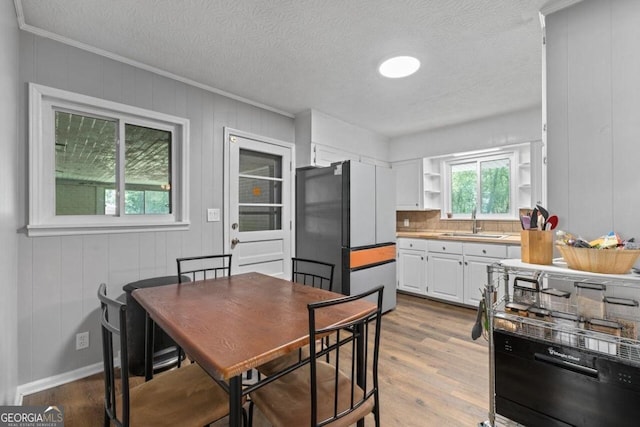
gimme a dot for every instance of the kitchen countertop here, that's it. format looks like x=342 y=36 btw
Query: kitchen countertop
x=510 y=239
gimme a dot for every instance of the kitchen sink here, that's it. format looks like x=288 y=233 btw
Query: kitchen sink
x=476 y=235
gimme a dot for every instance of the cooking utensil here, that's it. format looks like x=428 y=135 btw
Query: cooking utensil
x=526 y=222
x=476 y=331
x=544 y=212
x=533 y=223
x=552 y=222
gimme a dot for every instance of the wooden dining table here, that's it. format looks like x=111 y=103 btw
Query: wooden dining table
x=233 y=324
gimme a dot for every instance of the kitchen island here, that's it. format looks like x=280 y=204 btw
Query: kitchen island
x=583 y=352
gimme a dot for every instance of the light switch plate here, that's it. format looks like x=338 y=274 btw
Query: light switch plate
x=213 y=215
x=406 y=222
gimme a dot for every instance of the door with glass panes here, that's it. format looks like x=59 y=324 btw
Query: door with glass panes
x=259 y=208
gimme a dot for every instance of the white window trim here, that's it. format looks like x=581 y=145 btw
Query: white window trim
x=512 y=155
x=42 y=218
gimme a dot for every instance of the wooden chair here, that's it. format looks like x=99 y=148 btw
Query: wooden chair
x=204 y=267
x=307 y=272
x=185 y=396
x=329 y=394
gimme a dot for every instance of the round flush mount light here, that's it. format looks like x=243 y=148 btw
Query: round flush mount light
x=399 y=66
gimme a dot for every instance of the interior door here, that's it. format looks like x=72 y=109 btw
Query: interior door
x=259 y=204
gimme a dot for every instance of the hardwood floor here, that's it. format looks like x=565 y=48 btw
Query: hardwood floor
x=430 y=371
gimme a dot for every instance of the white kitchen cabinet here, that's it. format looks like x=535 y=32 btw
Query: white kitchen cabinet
x=324 y=155
x=409 y=184
x=477 y=256
x=445 y=270
x=412 y=265
x=457 y=271
x=418 y=184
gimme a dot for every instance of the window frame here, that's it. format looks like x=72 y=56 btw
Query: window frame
x=43 y=221
x=511 y=155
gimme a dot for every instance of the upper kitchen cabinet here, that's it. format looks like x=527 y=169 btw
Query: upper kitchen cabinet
x=409 y=185
x=323 y=155
x=417 y=184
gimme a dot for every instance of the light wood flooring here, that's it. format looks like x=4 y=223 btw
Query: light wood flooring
x=431 y=372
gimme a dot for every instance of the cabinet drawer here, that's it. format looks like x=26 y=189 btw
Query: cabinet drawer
x=416 y=244
x=445 y=246
x=484 y=249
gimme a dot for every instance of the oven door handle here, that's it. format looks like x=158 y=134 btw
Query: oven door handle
x=579 y=369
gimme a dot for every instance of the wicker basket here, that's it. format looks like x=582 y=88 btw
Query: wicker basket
x=610 y=261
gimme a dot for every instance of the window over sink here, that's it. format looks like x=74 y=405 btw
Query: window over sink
x=495 y=183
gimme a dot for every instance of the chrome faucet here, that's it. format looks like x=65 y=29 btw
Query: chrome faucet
x=474 y=222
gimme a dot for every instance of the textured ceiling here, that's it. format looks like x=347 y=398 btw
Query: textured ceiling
x=479 y=57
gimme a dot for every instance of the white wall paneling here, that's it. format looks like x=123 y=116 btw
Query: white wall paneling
x=593 y=99
x=58 y=276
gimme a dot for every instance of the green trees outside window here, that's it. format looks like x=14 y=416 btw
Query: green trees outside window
x=485 y=184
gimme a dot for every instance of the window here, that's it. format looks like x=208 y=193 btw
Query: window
x=482 y=183
x=97 y=166
x=260 y=191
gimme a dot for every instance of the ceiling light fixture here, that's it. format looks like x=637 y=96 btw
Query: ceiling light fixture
x=399 y=66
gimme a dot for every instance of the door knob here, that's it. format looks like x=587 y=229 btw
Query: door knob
x=235 y=241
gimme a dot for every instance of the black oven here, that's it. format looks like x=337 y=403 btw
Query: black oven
x=538 y=383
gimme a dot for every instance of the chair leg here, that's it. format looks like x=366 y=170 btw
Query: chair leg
x=250 y=422
x=107 y=420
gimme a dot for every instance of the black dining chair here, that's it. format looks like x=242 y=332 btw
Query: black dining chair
x=317 y=274
x=204 y=267
x=339 y=393
x=181 y=396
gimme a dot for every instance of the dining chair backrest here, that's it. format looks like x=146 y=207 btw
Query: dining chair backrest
x=204 y=267
x=336 y=391
x=317 y=274
x=111 y=329
x=348 y=341
x=182 y=396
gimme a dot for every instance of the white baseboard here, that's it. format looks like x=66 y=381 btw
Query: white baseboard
x=56 y=380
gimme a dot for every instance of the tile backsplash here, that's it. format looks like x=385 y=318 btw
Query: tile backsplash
x=430 y=220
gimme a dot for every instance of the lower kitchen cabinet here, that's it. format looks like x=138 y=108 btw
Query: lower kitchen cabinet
x=445 y=276
x=477 y=256
x=445 y=270
x=475 y=277
x=412 y=265
x=448 y=270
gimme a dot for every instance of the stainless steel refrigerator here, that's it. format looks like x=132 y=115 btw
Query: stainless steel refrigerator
x=345 y=215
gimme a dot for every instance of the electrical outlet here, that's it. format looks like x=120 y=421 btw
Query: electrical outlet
x=406 y=222
x=82 y=340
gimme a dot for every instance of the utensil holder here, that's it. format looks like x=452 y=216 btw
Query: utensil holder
x=536 y=246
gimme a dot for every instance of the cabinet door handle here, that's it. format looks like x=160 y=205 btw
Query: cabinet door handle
x=484 y=251
x=466 y=263
x=460 y=262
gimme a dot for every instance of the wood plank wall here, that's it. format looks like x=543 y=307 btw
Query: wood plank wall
x=593 y=99
x=59 y=276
